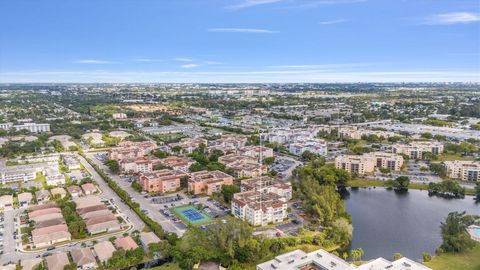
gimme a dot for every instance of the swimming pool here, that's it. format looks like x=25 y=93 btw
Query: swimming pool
x=474 y=232
x=191 y=215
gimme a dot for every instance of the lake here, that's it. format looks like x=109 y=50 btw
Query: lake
x=386 y=222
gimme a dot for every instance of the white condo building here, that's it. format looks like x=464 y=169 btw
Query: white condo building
x=323 y=260
x=31 y=127
x=262 y=200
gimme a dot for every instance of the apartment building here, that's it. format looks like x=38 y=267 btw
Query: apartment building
x=316 y=146
x=119 y=116
x=463 y=170
x=355 y=164
x=247 y=169
x=54 y=177
x=259 y=209
x=162 y=181
x=367 y=163
x=287 y=135
x=188 y=145
x=232 y=158
x=137 y=165
x=323 y=260
x=356 y=133
x=235 y=141
x=71 y=163
x=31 y=127
x=177 y=163
x=415 y=150
x=18 y=173
x=267 y=184
x=208 y=182
x=389 y=161
x=262 y=200
x=129 y=149
x=257 y=152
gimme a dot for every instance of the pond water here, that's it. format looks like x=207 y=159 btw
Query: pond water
x=386 y=222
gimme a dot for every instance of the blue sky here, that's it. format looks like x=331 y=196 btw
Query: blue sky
x=239 y=40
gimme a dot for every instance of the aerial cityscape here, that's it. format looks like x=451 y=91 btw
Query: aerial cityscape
x=242 y=134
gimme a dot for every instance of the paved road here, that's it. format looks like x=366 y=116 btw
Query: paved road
x=10 y=245
x=109 y=193
x=145 y=204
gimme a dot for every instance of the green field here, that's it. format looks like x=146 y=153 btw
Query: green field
x=463 y=261
x=178 y=211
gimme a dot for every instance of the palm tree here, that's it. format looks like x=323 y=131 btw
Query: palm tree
x=355 y=254
x=361 y=252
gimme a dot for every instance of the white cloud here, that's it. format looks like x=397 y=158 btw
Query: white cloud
x=93 y=61
x=212 y=63
x=183 y=59
x=252 y=3
x=146 y=60
x=189 y=66
x=243 y=30
x=452 y=18
x=333 y=22
x=291 y=3
x=322 y=66
x=259 y=76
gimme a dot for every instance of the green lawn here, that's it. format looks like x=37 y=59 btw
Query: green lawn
x=167 y=266
x=464 y=261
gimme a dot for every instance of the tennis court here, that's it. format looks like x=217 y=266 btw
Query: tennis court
x=191 y=215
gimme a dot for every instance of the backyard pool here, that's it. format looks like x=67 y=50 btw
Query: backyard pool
x=191 y=215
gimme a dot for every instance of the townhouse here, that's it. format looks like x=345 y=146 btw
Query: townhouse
x=84 y=258
x=24 y=199
x=463 y=170
x=57 y=261
x=162 y=181
x=50 y=235
x=208 y=182
x=96 y=215
x=104 y=251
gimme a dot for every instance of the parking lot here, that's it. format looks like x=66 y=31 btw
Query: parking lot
x=284 y=165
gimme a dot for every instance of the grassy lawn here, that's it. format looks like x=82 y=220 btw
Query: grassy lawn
x=464 y=261
x=167 y=266
x=450 y=157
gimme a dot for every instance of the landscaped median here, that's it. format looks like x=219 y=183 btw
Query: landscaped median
x=154 y=226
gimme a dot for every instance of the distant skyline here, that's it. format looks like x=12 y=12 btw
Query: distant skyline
x=229 y=41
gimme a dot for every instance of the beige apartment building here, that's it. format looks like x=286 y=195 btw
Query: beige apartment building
x=463 y=170
x=415 y=150
x=208 y=182
x=367 y=163
x=161 y=181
